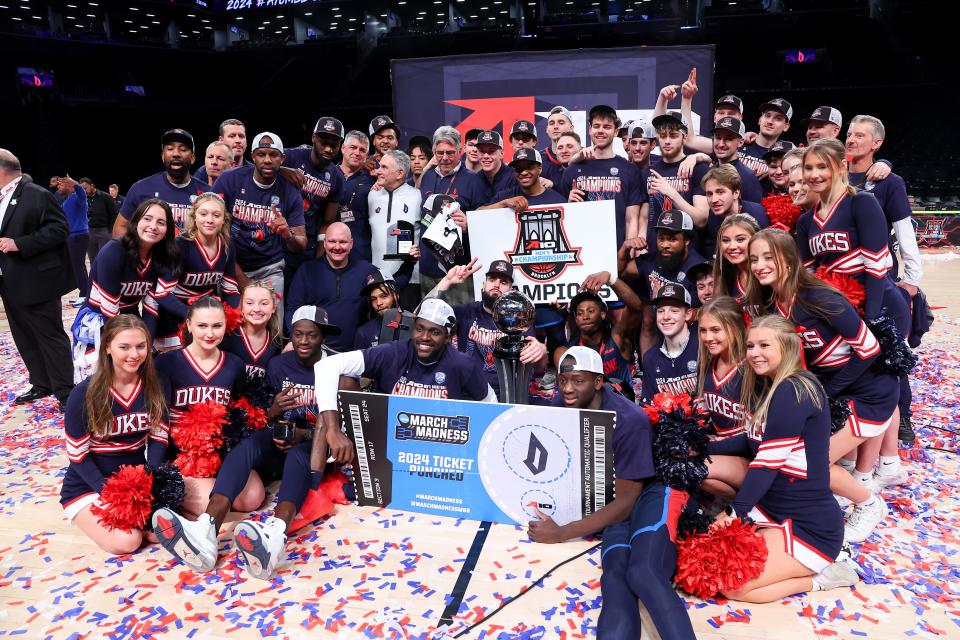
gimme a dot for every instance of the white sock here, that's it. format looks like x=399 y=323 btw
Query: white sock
x=847 y=464
x=862 y=476
x=868 y=502
x=890 y=463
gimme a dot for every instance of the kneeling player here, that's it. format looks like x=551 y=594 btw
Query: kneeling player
x=639 y=556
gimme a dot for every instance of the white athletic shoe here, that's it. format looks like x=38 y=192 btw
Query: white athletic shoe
x=843 y=502
x=192 y=542
x=864 y=520
x=890 y=479
x=261 y=544
x=835 y=576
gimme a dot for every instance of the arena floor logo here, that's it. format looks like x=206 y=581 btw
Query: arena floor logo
x=541 y=250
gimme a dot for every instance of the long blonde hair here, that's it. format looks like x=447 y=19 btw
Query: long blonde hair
x=729 y=314
x=832 y=151
x=190 y=220
x=99 y=401
x=724 y=273
x=273 y=324
x=757 y=391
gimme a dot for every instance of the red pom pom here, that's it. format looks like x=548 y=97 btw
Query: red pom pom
x=126 y=500
x=670 y=402
x=851 y=289
x=781 y=211
x=198 y=433
x=256 y=418
x=198 y=465
x=234 y=318
x=652 y=413
x=723 y=559
x=332 y=487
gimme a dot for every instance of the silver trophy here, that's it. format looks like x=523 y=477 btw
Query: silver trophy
x=513 y=314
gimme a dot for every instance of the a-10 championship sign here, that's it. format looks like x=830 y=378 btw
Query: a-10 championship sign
x=552 y=248
x=480 y=461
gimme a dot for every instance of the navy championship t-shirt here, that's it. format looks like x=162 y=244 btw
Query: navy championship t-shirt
x=180 y=198
x=284 y=372
x=686 y=187
x=323 y=185
x=615 y=179
x=663 y=374
x=249 y=205
x=396 y=371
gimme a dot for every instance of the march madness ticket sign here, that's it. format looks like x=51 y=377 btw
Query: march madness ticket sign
x=481 y=461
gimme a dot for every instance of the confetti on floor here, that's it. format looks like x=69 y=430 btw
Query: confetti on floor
x=365 y=573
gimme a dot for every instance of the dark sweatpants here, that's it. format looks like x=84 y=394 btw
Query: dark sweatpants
x=77 y=248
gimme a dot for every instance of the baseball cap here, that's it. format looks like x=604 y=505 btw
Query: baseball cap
x=523 y=126
x=490 y=137
x=675 y=221
x=779 y=148
x=733 y=125
x=473 y=134
x=673 y=291
x=382 y=122
x=584 y=295
x=625 y=127
x=438 y=312
x=826 y=114
x=584 y=359
x=778 y=104
x=274 y=142
x=561 y=110
x=501 y=268
x=375 y=280
x=672 y=116
x=730 y=100
x=642 y=129
x=531 y=155
x=177 y=135
x=316 y=315
x=330 y=126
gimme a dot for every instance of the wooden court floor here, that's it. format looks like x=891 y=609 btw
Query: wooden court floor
x=362 y=573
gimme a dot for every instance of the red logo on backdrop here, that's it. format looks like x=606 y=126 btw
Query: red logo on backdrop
x=487 y=113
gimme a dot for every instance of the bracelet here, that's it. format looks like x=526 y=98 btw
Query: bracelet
x=613 y=279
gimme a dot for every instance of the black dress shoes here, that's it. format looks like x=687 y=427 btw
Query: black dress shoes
x=31 y=395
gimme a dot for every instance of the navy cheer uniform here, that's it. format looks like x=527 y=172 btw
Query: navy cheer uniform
x=187 y=384
x=653 y=276
x=839 y=348
x=639 y=555
x=721 y=400
x=663 y=374
x=615 y=179
x=94 y=458
x=710 y=239
x=788 y=480
x=255 y=362
x=249 y=204
x=200 y=275
x=179 y=197
x=117 y=287
x=891 y=193
x=686 y=187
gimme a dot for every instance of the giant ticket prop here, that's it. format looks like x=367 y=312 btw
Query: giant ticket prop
x=477 y=460
x=552 y=248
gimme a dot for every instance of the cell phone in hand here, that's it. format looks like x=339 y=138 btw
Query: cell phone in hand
x=283 y=431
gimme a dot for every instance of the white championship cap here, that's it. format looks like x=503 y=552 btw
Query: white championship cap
x=584 y=359
x=274 y=143
x=439 y=312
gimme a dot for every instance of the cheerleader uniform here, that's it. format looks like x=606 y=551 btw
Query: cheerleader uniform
x=851 y=239
x=117 y=287
x=187 y=384
x=721 y=399
x=200 y=275
x=95 y=458
x=839 y=348
x=788 y=481
x=255 y=361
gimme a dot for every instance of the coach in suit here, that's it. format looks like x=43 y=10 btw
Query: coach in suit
x=34 y=273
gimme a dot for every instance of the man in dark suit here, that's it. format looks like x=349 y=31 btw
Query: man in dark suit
x=34 y=273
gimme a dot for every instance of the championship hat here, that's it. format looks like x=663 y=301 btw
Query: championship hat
x=580 y=358
x=642 y=129
x=523 y=126
x=673 y=291
x=530 y=155
x=561 y=110
x=490 y=137
x=672 y=116
x=177 y=135
x=438 y=312
x=376 y=279
x=318 y=316
x=730 y=100
x=329 y=126
x=733 y=125
x=778 y=104
x=272 y=141
x=826 y=114
x=778 y=149
x=501 y=268
x=674 y=221
x=383 y=122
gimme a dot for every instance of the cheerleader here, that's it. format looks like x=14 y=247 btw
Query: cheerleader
x=722 y=353
x=786 y=490
x=839 y=349
x=257 y=340
x=113 y=418
x=731 y=265
x=200 y=373
x=208 y=265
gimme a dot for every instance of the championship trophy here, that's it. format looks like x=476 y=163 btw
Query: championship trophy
x=513 y=314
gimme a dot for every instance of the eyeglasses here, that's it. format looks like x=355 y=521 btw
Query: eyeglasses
x=438 y=152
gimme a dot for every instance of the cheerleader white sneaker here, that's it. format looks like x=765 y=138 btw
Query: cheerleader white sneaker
x=261 y=544
x=888 y=478
x=864 y=519
x=835 y=576
x=194 y=543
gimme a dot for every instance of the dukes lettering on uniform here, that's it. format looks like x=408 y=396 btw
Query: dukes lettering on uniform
x=205 y=279
x=129 y=423
x=418 y=390
x=316 y=187
x=721 y=405
x=609 y=184
x=251 y=212
x=197 y=395
x=137 y=288
x=483 y=336
x=829 y=241
x=682 y=185
x=811 y=339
